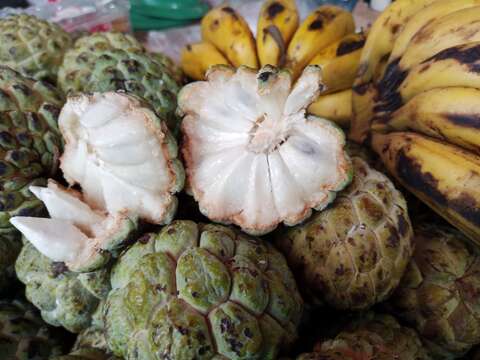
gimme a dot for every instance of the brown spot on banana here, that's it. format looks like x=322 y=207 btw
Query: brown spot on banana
x=230 y=11
x=465 y=120
x=274 y=9
x=464 y=54
x=349 y=46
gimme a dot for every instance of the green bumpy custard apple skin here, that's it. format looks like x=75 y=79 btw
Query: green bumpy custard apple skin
x=375 y=336
x=353 y=254
x=32 y=46
x=113 y=61
x=30 y=142
x=201 y=292
x=439 y=294
x=64 y=298
x=23 y=334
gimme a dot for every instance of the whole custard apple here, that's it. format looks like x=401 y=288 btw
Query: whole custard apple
x=201 y=292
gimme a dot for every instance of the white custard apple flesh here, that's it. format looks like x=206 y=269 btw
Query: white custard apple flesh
x=125 y=161
x=201 y=292
x=253 y=157
x=115 y=61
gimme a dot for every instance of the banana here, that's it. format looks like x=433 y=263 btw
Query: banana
x=339 y=62
x=457 y=66
x=321 y=28
x=277 y=22
x=443 y=176
x=454 y=29
x=195 y=59
x=450 y=114
x=229 y=33
x=336 y=107
x=432 y=12
x=379 y=44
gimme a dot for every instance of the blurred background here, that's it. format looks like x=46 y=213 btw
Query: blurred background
x=163 y=25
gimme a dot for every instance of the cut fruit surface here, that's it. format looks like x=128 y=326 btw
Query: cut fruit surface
x=252 y=156
x=122 y=155
x=76 y=234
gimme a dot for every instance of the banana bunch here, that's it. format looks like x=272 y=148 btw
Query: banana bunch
x=325 y=38
x=416 y=98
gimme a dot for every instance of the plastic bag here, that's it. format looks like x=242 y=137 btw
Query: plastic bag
x=81 y=15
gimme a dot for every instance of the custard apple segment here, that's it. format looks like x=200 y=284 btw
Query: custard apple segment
x=75 y=233
x=122 y=156
x=252 y=156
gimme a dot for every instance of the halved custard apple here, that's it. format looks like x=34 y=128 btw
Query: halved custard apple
x=253 y=156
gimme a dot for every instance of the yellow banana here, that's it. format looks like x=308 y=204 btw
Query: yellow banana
x=454 y=29
x=443 y=176
x=456 y=66
x=339 y=62
x=229 y=32
x=379 y=44
x=336 y=107
x=321 y=28
x=195 y=59
x=450 y=114
x=432 y=12
x=277 y=22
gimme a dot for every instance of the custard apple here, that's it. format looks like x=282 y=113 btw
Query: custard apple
x=353 y=254
x=32 y=46
x=201 y=292
x=10 y=245
x=114 y=61
x=374 y=336
x=439 y=294
x=252 y=156
x=64 y=298
x=23 y=334
x=30 y=142
x=125 y=161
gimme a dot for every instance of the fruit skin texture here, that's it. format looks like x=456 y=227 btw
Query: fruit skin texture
x=113 y=61
x=197 y=58
x=277 y=23
x=321 y=28
x=64 y=298
x=353 y=254
x=443 y=176
x=230 y=33
x=439 y=294
x=23 y=334
x=32 y=46
x=379 y=44
x=336 y=107
x=206 y=291
x=375 y=336
x=30 y=142
x=339 y=62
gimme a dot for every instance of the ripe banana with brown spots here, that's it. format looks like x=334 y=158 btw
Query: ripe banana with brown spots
x=277 y=22
x=324 y=26
x=229 y=32
x=428 y=14
x=445 y=177
x=196 y=59
x=450 y=114
x=339 y=62
x=377 y=49
x=457 y=28
x=458 y=66
x=336 y=107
